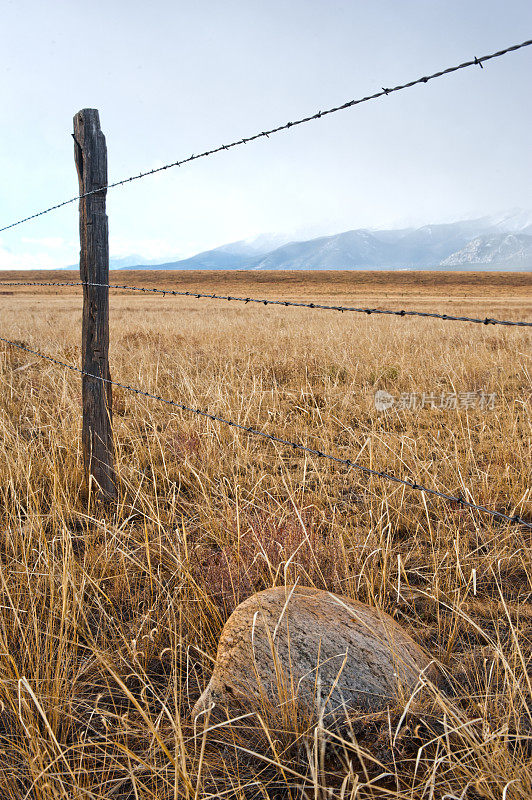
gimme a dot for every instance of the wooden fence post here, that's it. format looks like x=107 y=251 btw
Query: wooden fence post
x=90 y=155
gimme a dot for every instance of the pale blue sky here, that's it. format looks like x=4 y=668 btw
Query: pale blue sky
x=173 y=78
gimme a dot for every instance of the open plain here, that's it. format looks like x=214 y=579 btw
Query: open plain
x=109 y=617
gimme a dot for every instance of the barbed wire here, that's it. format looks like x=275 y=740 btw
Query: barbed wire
x=261 y=301
x=461 y=501
x=286 y=126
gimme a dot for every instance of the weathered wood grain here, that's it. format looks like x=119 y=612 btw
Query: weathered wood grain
x=90 y=154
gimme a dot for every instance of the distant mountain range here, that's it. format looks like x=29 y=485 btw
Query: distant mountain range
x=503 y=242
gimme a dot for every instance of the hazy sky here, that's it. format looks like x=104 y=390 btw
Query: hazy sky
x=175 y=78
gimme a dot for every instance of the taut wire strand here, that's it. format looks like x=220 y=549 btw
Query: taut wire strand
x=287 y=303
x=269 y=437
x=287 y=125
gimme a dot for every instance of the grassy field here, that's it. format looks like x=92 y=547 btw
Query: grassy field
x=109 y=618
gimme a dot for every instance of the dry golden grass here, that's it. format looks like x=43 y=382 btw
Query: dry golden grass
x=109 y=618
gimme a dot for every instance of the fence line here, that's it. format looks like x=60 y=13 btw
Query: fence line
x=287 y=303
x=97 y=189
x=462 y=502
x=287 y=125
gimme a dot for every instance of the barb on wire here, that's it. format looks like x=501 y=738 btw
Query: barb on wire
x=265 y=302
x=287 y=125
x=462 y=502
